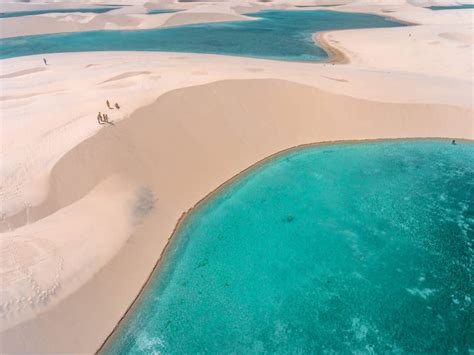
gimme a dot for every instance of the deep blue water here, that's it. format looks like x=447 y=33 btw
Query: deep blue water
x=453 y=7
x=284 y=35
x=97 y=10
x=364 y=248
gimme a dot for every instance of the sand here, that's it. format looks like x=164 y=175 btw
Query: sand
x=87 y=209
x=169 y=155
x=32 y=145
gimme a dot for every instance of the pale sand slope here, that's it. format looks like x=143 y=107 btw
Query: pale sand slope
x=426 y=49
x=180 y=150
x=442 y=43
x=37 y=130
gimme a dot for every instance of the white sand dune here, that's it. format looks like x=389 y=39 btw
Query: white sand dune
x=87 y=209
x=29 y=154
x=426 y=50
x=162 y=160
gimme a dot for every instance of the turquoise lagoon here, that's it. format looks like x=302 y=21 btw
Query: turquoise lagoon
x=362 y=248
x=162 y=11
x=453 y=7
x=283 y=35
x=97 y=10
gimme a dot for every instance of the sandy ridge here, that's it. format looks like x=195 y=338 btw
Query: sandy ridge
x=146 y=157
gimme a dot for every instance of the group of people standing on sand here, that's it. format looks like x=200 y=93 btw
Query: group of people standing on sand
x=103 y=118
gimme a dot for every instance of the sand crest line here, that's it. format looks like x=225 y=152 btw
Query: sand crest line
x=38 y=212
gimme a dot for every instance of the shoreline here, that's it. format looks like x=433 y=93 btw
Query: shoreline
x=167 y=174
x=338 y=55
x=334 y=74
x=335 y=54
x=242 y=174
x=366 y=100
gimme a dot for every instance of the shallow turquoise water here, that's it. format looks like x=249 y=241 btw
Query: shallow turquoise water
x=162 y=11
x=453 y=7
x=285 y=35
x=97 y=10
x=342 y=248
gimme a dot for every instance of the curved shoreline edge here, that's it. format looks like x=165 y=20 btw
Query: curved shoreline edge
x=335 y=54
x=338 y=55
x=242 y=174
x=386 y=78
x=239 y=130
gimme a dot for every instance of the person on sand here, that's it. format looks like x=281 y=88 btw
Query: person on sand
x=100 y=119
x=45 y=62
x=108 y=105
x=106 y=119
x=117 y=106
